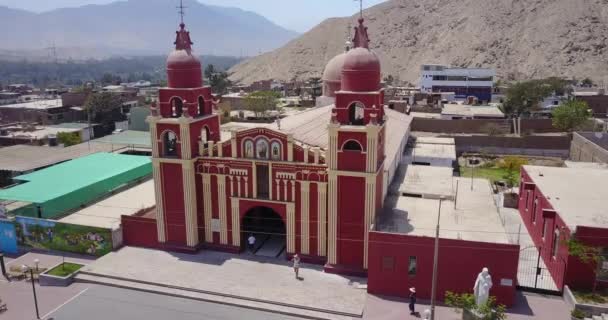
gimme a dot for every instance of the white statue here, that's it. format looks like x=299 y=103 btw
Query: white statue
x=483 y=284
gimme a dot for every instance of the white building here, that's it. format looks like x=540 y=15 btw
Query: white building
x=464 y=82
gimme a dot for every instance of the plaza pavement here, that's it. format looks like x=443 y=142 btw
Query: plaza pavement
x=245 y=277
x=527 y=306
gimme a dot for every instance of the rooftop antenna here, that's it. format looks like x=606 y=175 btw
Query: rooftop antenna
x=181 y=11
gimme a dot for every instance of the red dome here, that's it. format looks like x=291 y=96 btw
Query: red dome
x=361 y=71
x=184 y=70
x=332 y=76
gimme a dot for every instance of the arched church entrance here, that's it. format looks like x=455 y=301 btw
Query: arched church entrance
x=267 y=228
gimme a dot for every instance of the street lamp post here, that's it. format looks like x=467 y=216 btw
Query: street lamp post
x=435 y=262
x=25 y=269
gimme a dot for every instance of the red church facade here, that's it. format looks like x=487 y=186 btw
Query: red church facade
x=213 y=190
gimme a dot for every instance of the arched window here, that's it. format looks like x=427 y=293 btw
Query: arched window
x=352 y=145
x=248 y=152
x=169 y=144
x=356 y=113
x=201 y=105
x=177 y=107
x=275 y=151
x=261 y=149
x=205 y=134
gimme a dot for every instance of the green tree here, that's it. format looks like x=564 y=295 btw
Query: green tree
x=587 y=82
x=209 y=71
x=512 y=166
x=105 y=108
x=389 y=80
x=571 y=115
x=69 y=138
x=260 y=102
x=524 y=97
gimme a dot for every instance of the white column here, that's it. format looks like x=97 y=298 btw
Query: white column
x=284 y=190
x=254 y=173
x=304 y=217
x=231 y=183
x=184 y=128
x=291 y=228
x=372 y=148
x=316 y=151
x=271 y=181
x=158 y=193
x=322 y=221
x=207 y=207
x=290 y=148
x=306 y=154
x=154 y=137
x=210 y=148
x=293 y=191
x=221 y=191
x=220 y=150
x=370 y=209
x=332 y=254
x=238 y=186
x=190 y=203
x=233 y=145
x=278 y=196
x=332 y=155
x=247 y=187
x=236 y=223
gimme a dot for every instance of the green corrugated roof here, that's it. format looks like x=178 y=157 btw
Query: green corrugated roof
x=70 y=176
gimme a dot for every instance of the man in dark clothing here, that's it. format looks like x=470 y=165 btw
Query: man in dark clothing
x=412 y=301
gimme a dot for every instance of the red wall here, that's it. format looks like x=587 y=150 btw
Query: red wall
x=459 y=264
x=139 y=232
x=351 y=213
x=564 y=269
x=173 y=202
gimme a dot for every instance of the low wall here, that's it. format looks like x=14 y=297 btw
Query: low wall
x=503 y=126
x=459 y=264
x=139 y=232
x=548 y=146
x=586 y=308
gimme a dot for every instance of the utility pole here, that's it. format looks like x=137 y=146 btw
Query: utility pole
x=435 y=262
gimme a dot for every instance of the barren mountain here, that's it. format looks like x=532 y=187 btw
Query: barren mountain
x=137 y=27
x=520 y=38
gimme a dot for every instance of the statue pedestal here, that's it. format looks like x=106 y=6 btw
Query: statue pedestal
x=473 y=315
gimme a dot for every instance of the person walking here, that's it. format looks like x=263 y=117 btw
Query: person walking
x=251 y=242
x=413 y=301
x=296 y=265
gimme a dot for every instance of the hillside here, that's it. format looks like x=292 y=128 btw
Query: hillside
x=520 y=38
x=137 y=27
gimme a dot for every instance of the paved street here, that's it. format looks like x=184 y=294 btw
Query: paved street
x=102 y=303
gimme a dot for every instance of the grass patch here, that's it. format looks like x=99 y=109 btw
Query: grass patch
x=598 y=297
x=492 y=174
x=65 y=269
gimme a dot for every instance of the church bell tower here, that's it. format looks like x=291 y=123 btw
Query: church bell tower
x=182 y=124
x=356 y=158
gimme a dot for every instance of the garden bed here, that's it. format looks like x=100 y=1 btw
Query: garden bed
x=61 y=275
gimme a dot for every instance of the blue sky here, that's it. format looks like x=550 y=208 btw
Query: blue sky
x=297 y=15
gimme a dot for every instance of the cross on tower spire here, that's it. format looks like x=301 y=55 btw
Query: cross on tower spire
x=181 y=11
x=360 y=8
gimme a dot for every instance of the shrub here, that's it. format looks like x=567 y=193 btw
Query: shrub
x=491 y=310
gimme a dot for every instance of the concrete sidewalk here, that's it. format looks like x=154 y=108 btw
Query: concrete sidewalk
x=527 y=306
x=247 y=277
